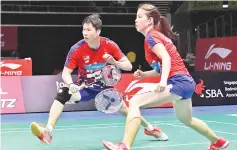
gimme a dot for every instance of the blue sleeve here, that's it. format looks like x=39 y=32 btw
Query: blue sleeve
x=156 y=66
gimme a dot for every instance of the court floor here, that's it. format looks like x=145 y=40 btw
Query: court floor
x=86 y=130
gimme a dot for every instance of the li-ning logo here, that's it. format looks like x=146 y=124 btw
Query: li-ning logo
x=136 y=88
x=12 y=67
x=221 y=52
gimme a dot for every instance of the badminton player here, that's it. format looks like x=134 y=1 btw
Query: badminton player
x=162 y=55
x=89 y=56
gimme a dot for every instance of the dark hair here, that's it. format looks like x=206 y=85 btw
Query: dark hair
x=95 y=20
x=160 y=22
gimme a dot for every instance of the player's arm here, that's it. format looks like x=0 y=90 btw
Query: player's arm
x=124 y=64
x=69 y=66
x=160 y=50
x=121 y=60
x=67 y=75
x=151 y=73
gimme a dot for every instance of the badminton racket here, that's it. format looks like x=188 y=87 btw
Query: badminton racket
x=111 y=100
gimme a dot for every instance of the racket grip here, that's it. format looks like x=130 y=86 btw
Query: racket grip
x=79 y=88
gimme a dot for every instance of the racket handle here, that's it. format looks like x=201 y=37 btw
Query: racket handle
x=79 y=88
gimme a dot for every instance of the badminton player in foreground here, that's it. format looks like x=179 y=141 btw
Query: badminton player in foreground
x=88 y=55
x=160 y=50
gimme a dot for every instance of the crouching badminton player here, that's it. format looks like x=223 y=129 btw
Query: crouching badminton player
x=88 y=55
x=159 y=49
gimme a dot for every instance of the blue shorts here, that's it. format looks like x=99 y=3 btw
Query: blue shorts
x=90 y=93
x=183 y=85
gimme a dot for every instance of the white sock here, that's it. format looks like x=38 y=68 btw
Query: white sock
x=150 y=127
x=50 y=128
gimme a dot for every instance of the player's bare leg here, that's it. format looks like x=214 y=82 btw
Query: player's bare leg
x=133 y=121
x=45 y=133
x=55 y=112
x=149 y=129
x=134 y=115
x=183 y=110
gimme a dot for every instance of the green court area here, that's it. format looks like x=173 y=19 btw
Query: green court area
x=87 y=134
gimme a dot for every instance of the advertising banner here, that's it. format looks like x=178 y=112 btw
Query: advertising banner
x=215 y=88
x=43 y=89
x=129 y=86
x=216 y=54
x=11 y=95
x=18 y=67
x=39 y=93
x=21 y=94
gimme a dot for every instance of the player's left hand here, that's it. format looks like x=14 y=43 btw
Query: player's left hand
x=110 y=59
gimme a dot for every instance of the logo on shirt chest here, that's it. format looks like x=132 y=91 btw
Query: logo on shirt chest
x=86 y=59
x=95 y=66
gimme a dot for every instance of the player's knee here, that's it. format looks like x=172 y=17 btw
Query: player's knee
x=124 y=110
x=63 y=96
x=133 y=104
x=133 y=115
x=134 y=110
x=186 y=121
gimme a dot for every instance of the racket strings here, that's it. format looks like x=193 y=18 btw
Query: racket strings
x=108 y=101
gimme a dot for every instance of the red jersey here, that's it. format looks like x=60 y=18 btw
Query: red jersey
x=88 y=61
x=152 y=38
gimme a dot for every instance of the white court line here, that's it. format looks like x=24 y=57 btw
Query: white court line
x=191 y=129
x=80 y=125
x=141 y=147
x=62 y=129
x=209 y=121
x=232 y=115
x=95 y=126
x=176 y=145
x=176 y=125
x=65 y=129
x=89 y=125
x=226 y=132
x=220 y=122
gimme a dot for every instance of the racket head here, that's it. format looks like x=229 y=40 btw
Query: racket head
x=111 y=75
x=109 y=101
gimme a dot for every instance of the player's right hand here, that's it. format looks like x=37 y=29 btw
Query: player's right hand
x=109 y=58
x=74 y=88
x=138 y=74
